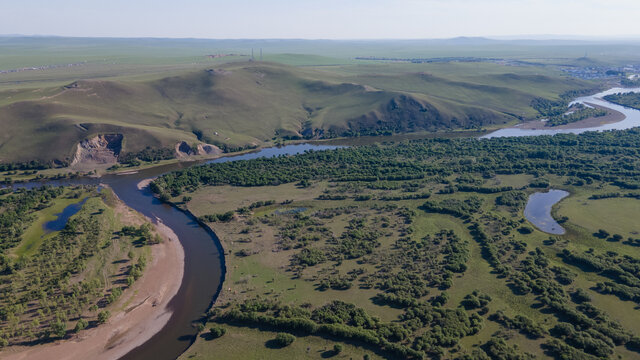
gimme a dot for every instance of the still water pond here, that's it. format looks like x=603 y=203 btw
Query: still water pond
x=61 y=221
x=538 y=210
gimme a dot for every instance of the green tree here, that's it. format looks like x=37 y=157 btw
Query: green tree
x=103 y=316
x=284 y=339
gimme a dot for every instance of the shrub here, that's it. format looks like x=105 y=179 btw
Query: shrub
x=525 y=230
x=103 y=316
x=217 y=331
x=581 y=296
x=81 y=325
x=59 y=328
x=284 y=339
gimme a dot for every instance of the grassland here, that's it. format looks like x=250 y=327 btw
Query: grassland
x=259 y=267
x=437 y=229
x=160 y=92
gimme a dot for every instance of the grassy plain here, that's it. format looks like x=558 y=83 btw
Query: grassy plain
x=259 y=266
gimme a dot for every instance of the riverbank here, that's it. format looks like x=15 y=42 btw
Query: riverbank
x=141 y=312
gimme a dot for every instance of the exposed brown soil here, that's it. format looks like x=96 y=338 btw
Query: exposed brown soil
x=99 y=150
x=185 y=150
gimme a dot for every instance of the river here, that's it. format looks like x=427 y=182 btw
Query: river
x=632 y=118
x=204 y=261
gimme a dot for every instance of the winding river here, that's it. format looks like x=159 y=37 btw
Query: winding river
x=204 y=261
x=632 y=118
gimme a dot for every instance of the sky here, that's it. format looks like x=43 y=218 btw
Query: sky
x=323 y=19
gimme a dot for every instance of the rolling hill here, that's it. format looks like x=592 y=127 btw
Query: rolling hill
x=249 y=103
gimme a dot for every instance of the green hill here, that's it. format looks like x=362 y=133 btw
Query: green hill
x=249 y=103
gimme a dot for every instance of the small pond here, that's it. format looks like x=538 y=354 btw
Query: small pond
x=538 y=210
x=61 y=221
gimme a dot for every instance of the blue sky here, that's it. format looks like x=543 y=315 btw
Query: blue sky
x=326 y=19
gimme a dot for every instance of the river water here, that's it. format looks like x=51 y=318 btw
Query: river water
x=632 y=118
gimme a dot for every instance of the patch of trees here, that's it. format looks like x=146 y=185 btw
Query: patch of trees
x=548 y=107
x=512 y=198
x=624 y=270
x=586 y=157
x=30 y=165
x=521 y=323
x=497 y=348
x=17 y=210
x=217 y=331
x=631 y=100
x=539 y=183
x=142 y=234
x=337 y=319
x=299 y=230
x=358 y=239
x=614 y=195
x=414 y=267
x=627 y=184
x=475 y=300
x=148 y=154
x=459 y=208
x=224 y=217
x=561 y=350
x=425 y=195
x=578 y=114
x=309 y=257
x=284 y=339
x=478 y=189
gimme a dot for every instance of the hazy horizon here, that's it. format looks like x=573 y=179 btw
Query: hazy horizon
x=328 y=20
x=534 y=37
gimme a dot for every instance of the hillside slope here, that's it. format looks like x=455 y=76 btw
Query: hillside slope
x=247 y=104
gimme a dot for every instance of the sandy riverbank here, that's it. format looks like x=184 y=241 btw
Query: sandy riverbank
x=612 y=116
x=141 y=312
x=144 y=183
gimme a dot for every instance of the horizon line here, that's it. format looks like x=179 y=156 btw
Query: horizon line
x=534 y=37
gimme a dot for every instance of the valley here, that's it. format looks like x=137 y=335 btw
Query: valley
x=318 y=202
